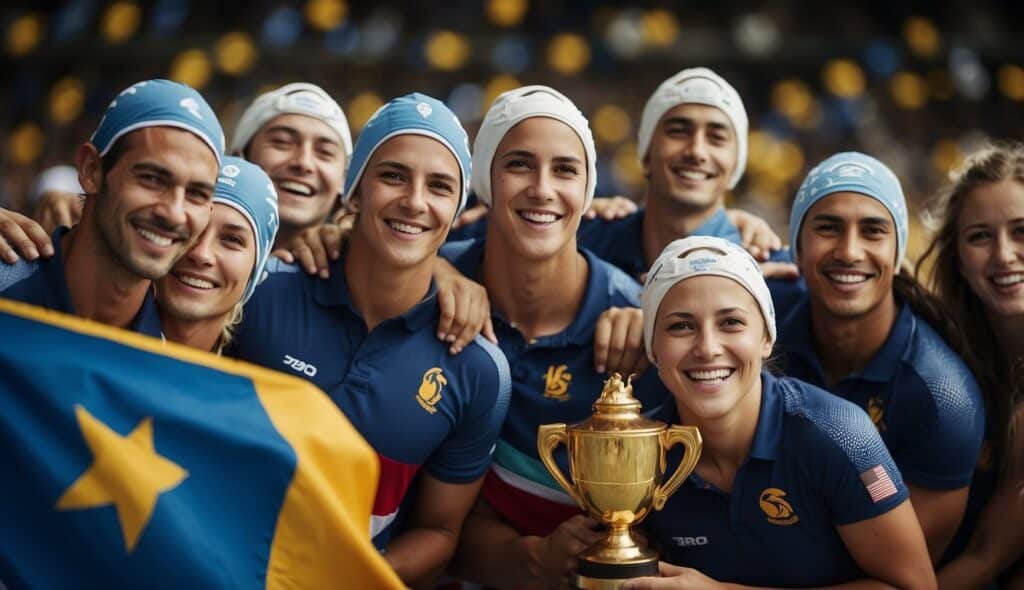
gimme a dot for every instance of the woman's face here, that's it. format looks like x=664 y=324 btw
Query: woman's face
x=211 y=278
x=539 y=186
x=709 y=344
x=990 y=242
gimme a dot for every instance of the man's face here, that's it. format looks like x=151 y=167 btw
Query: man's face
x=847 y=254
x=406 y=200
x=692 y=157
x=154 y=203
x=306 y=161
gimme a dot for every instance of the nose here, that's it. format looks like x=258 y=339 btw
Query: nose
x=698 y=147
x=202 y=253
x=849 y=249
x=302 y=158
x=542 y=187
x=1006 y=250
x=707 y=344
x=415 y=200
x=170 y=212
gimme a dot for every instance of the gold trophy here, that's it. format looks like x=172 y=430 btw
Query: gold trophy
x=617 y=462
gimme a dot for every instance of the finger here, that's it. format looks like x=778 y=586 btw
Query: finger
x=446 y=303
x=634 y=347
x=780 y=270
x=284 y=255
x=40 y=238
x=668 y=569
x=319 y=253
x=647 y=583
x=467 y=325
x=602 y=333
x=46 y=219
x=617 y=345
x=305 y=258
x=18 y=240
x=7 y=253
x=65 y=216
x=590 y=213
x=488 y=329
x=332 y=237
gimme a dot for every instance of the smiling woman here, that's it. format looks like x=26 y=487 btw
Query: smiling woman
x=777 y=451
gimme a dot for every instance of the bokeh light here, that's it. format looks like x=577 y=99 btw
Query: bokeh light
x=362 y=107
x=26 y=143
x=447 y=50
x=611 y=124
x=844 y=78
x=1011 y=81
x=120 y=22
x=192 y=67
x=909 y=90
x=626 y=167
x=24 y=34
x=946 y=156
x=235 y=53
x=324 y=15
x=506 y=13
x=660 y=27
x=66 y=100
x=921 y=36
x=568 y=53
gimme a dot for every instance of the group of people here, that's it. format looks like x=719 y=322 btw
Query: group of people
x=858 y=419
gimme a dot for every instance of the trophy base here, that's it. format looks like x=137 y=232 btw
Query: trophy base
x=591 y=575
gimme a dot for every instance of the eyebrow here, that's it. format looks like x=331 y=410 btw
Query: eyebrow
x=529 y=154
x=717 y=125
x=406 y=169
x=236 y=227
x=294 y=131
x=839 y=219
x=983 y=224
x=163 y=172
x=723 y=311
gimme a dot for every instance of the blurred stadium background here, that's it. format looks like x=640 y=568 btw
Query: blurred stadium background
x=917 y=86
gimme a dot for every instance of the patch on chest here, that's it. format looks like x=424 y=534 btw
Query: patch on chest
x=430 y=389
x=556 y=382
x=776 y=508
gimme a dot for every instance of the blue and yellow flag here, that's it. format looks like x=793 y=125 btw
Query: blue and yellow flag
x=129 y=463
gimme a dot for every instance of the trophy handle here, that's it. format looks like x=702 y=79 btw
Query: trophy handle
x=550 y=436
x=690 y=438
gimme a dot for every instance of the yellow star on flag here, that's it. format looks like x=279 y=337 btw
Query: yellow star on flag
x=126 y=471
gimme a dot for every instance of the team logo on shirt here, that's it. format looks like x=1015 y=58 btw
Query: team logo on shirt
x=876 y=410
x=556 y=382
x=776 y=508
x=430 y=389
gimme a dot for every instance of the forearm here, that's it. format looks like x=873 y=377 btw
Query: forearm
x=866 y=584
x=420 y=555
x=491 y=553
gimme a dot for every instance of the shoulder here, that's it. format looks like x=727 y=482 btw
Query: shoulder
x=486 y=360
x=593 y=228
x=942 y=373
x=11 y=274
x=824 y=421
x=622 y=289
x=459 y=253
x=282 y=277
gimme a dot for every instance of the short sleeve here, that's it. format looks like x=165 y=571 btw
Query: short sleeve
x=465 y=455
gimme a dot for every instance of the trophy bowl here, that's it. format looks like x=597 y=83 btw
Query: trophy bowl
x=617 y=464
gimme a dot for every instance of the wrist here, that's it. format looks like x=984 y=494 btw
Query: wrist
x=532 y=549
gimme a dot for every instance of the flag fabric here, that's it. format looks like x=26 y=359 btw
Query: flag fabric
x=128 y=462
x=878 y=483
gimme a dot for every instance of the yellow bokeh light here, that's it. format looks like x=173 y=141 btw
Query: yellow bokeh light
x=792 y=98
x=192 y=67
x=447 y=51
x=496 y=86
x=120 y=22
x=24 y=34
x=921 y=36
x=790 y=161
x=568 y=53
x=626 y=167
x=66 y=100
x=611 y=124
x=759 y=149
x=506 y=13
x=909 y=90
x=661 y=28
x=235 y=53
x=946 y=156
x=26 y=143
x=844 y=78
x=324 y=15
x=1011 y=81
x=362 y=108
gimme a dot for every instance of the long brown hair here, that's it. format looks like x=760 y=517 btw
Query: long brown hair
x=999 y=376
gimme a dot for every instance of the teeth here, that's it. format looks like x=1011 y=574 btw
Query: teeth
x=538 y=217
x=710 y=375
x=694 y=175
x=155 y=238
x=295 y=187
x=1007 y=280
x=194 y=282
x=405 y=228
x=847 y=278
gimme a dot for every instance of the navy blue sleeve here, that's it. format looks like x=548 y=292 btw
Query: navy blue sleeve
x=256 y=338
x=939 y=420
x=466 y=454
x=11 y=274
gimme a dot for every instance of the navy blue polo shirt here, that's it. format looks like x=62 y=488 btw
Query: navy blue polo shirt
x=417 y=405
x=917 y=391
x=553 y=380
x=42 y=283
x=621 y=241
x=812 y=459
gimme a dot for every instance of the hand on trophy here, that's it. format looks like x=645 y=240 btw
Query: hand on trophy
x=554 y=557
x=674 y=577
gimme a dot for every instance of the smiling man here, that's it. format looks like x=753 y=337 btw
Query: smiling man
x=299 y=136
x=860 y=331
x=148 y=173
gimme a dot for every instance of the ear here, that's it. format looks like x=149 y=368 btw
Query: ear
x=766 y=348
x=353 y=201
x=645 y=165
x=90 y=168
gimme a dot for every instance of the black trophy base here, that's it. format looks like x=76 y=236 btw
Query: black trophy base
x=592 y=575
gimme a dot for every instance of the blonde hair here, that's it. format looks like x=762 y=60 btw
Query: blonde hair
x=227 y=332
x=1000 y=377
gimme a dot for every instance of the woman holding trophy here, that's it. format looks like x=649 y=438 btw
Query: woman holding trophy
x=794 y=487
